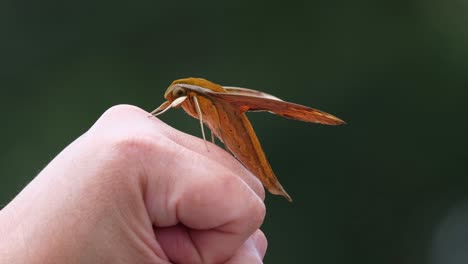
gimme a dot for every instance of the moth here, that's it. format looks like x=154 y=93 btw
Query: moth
x=222 y=109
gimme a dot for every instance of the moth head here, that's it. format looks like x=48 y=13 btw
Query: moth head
x=174 y=92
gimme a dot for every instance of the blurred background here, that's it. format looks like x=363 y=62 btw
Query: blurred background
x=391 y=186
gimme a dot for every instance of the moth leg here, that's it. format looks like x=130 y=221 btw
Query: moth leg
x=200 y=117
x=212 y=137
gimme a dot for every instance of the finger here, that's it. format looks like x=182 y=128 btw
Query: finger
x=261 y=242
x=218 y=208
x=178 y=244
x=252 y=251
x=215 y=153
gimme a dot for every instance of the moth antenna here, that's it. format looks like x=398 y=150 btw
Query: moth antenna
x=200 y=117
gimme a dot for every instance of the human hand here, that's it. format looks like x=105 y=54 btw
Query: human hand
x=134 y=190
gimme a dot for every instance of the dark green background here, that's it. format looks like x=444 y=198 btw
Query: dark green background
x=389 y=187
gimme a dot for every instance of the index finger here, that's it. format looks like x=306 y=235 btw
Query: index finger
x=213 y=152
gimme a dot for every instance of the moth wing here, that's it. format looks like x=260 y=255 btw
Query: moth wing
x=240 y=139
x=250 y=100
x=245 y=91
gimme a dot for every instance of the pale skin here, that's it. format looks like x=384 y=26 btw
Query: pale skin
x=134 y=190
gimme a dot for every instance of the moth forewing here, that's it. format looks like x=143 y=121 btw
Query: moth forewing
x=286 y=109
x=249 y=92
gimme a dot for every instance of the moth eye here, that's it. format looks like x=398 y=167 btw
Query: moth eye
x=178 y=92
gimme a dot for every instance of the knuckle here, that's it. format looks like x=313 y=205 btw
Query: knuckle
x=259 y=189
x=119 y=110
x=260 y=241
x=258 y=212
x=126 y=163
x=253 y=204
x=133 y=146
x=123 y=130
x=252 y=208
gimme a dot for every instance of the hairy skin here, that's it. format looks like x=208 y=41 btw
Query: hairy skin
x=134 y=190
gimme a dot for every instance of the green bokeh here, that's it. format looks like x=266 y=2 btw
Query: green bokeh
x=373 y=191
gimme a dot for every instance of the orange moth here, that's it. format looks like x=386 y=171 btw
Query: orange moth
x=223 y=108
